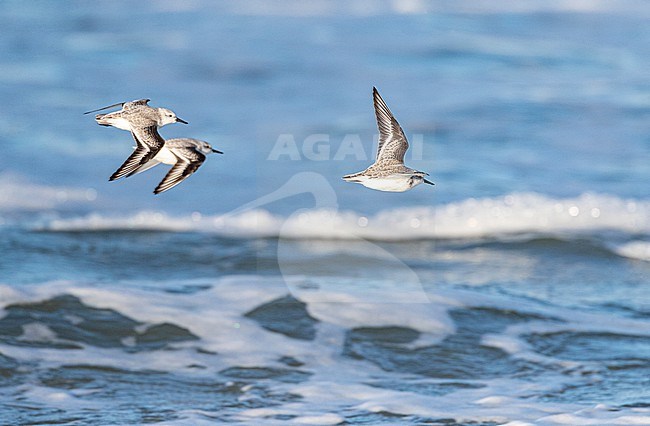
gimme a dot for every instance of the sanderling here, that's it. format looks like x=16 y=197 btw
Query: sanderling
x=143 y=122
x=388 y=172
x=184 y=154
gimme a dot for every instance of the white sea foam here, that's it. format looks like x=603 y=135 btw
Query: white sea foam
x=57 y=398
x=37 y=332
x=516 y=213
x=634 y=250
x=16 y=193
x=337 y=384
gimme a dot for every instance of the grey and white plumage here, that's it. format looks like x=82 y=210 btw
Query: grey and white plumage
x=388 y=172
x=143 y=122
x=184 y=154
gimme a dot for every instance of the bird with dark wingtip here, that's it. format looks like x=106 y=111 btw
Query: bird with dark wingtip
x=185 y=155
x=143 y=122
x=388 y=172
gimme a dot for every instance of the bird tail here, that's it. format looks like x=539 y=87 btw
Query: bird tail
x=354 y=177
x=102 y=120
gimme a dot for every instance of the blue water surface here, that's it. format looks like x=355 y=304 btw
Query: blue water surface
x=554 y=103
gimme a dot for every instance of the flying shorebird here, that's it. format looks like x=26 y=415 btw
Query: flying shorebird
x=184 y=154
x=388 y=172
x=143 y=122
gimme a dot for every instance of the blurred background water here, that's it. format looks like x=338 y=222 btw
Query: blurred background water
x=264 y=289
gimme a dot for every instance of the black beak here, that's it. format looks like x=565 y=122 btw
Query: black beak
x=428 y=181
x=217 y=151
x=180 y=120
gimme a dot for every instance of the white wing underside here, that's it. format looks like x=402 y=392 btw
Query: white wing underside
x=145 y=167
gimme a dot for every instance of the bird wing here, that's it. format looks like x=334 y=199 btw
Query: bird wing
x=106 y=107
x=132 y=104
x=124 y=105
x=143 y=168
x=189 y=160
x=148 y=143
x=392 y=142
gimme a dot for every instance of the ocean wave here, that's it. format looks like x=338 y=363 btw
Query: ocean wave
x=235 y=340
x=513 y=214
x=18 y=194
x=634 y=250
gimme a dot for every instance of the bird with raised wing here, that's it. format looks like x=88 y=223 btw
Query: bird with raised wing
x=143 y=122
x=388 y=172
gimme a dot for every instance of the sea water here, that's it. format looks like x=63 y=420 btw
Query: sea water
x=266 y=290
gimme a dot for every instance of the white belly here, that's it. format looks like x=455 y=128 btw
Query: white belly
x=395 y=183
x=115 y=121
x=165 y=156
